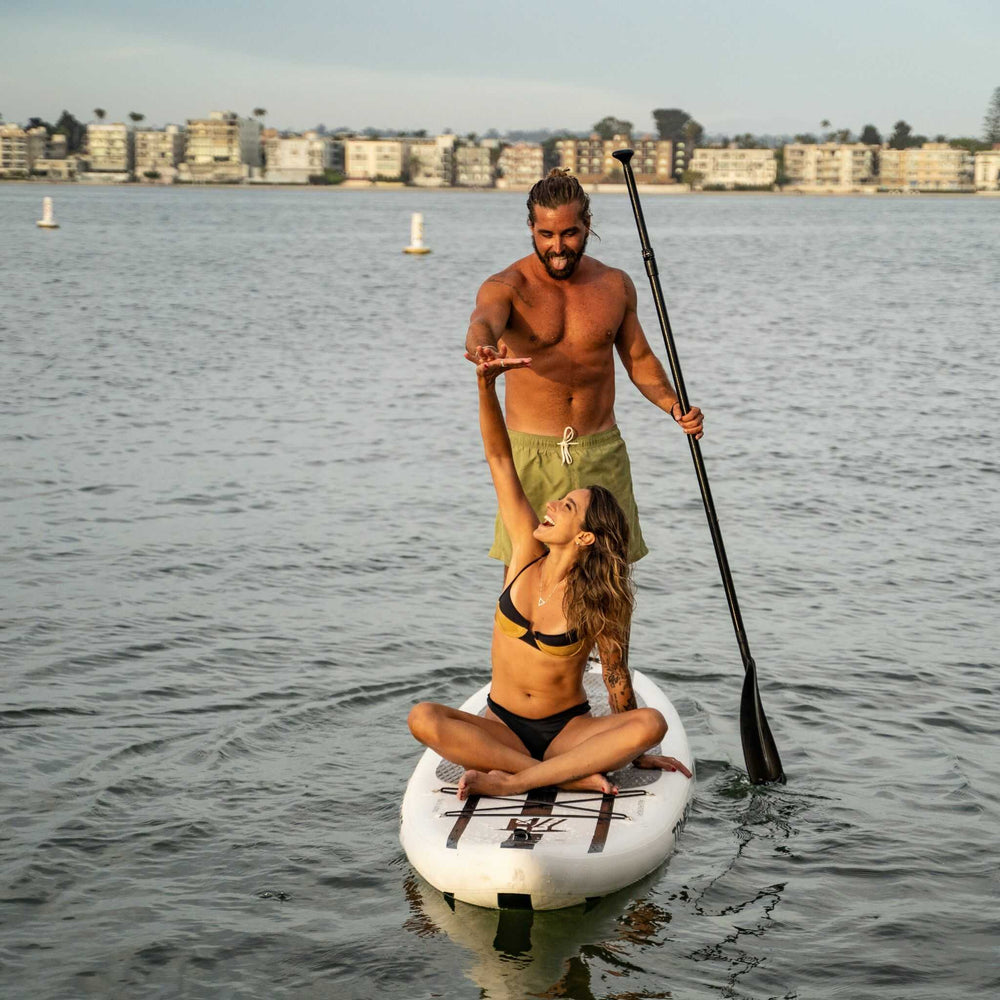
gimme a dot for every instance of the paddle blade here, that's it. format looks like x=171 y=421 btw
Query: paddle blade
x=759 y=751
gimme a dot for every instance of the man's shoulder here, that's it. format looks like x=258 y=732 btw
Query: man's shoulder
x=605 y=272
x=513 y=277
x=612 y=283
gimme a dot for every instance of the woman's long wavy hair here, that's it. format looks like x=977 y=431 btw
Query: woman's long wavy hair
x=599 y=593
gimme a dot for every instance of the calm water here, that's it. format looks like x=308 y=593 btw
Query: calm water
x=245 y=520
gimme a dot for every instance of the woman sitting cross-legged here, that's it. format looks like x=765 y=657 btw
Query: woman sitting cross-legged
x=568 y=587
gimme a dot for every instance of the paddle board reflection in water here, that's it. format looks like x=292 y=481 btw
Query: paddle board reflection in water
x=521 y=953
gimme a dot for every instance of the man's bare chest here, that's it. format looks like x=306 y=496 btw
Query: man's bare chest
x=581 y=318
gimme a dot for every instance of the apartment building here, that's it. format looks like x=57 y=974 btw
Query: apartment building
x=474 y=166
x=735 y=168
x=585 y=158
x=158 y=153
x=14 y=160
x=111 y=149
x=430 y=162
x=521 y=164
x=57 y=147
x=934 y=166
x=296 y=159
x=24 y=153
x=591 y=159
x=987 y=170
x=38 y=144
x=222 y=148
x=830 y=166
x=375 y=159
x=653 y=159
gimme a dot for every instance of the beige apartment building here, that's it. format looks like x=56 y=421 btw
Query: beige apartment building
x=582 y=157
x=520 y=165
x=430 y=162
x=591 y=159
x=295 y=159
x=830 y=166
x=57 y=148
x=735 y=168
x=35 y=152
x=158 y=153
x=474 y=166
x=653 y=158
x=38 y=144
x=14 y=160
x=934 y=166
x=374 y=159
x=987 y=170
x=221 y=149
x=111 y=149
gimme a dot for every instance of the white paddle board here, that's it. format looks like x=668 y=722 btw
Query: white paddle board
x=547 y=848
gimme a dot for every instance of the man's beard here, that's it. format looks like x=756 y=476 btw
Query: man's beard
x=572 y=259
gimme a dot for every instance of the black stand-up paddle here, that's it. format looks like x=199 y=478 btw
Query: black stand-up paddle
x=759 y=751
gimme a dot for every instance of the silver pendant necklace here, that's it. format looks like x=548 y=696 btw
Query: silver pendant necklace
x=544 y=600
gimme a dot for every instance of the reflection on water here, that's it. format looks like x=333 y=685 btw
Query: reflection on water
x=522 y=953
x=579 y=953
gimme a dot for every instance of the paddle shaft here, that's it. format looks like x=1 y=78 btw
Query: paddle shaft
x=763 y=763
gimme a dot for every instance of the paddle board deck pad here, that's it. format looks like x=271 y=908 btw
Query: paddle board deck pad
x=547 y=848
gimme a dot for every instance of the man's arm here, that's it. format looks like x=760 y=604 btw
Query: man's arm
x=489 y=318
x=644 y=368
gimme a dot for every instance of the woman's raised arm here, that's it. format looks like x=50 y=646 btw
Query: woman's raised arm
x=518 y=516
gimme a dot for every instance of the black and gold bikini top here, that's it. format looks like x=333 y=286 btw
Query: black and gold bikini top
x=511 y=622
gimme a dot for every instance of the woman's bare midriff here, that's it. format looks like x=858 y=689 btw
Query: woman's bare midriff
x=527 y=682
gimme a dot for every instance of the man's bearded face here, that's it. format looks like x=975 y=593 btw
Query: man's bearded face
x=560 y=264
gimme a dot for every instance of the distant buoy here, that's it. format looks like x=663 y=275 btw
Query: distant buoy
x=416 y=235
x=47 y=221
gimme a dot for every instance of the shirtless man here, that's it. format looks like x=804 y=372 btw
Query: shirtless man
x=566 y=311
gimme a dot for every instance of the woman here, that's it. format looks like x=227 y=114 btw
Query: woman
x=568 y=587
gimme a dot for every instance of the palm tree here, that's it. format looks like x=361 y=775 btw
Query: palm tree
x=136 y=116
x=259 y=112
x=99 y=114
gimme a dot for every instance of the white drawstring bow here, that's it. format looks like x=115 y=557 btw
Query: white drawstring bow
x=567 y=440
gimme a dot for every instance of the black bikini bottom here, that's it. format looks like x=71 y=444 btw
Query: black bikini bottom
x=536 y=734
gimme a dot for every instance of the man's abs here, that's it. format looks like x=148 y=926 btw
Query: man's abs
x=537 y=404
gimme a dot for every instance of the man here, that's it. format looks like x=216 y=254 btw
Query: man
x=567 y=312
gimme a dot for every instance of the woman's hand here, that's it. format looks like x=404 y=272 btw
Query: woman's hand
x=492 y=362
x=655 y=761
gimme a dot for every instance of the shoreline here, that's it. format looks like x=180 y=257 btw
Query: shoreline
x=644 y=189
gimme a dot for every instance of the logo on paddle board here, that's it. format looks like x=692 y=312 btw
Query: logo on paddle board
x=525 y=833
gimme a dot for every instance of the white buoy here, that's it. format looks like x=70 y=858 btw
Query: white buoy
x=416 y=235
x=47 y=221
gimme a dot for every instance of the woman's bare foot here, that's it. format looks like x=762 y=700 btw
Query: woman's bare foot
x=483 y=783
x=592 y=783
x=502 y=783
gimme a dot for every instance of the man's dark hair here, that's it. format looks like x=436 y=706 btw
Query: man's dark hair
x=559 y=188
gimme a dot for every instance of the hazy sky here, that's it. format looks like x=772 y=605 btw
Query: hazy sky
x=763 y=66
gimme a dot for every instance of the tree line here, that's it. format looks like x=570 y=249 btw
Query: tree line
x=677 y=125
x=674 y=124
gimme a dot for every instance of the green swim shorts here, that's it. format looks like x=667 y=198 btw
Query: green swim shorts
x=550 y=467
